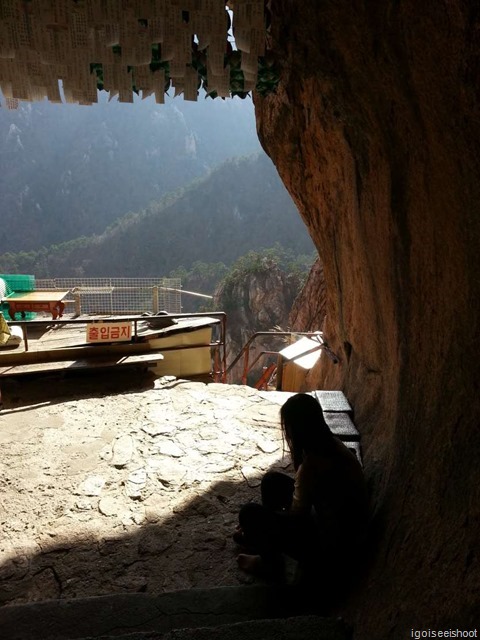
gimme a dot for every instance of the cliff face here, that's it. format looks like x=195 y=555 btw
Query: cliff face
x=255 y=300
x=308 y=310
x=375 y=131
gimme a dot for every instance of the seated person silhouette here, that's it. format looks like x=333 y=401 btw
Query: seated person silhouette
x=319 y=517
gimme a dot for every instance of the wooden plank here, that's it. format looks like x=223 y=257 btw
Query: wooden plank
x=144 y=360
x=75 y=353
x=182 y=325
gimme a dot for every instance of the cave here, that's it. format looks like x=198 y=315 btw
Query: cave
x=374 y=127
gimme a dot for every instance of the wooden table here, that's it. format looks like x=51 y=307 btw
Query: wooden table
x=47 y=300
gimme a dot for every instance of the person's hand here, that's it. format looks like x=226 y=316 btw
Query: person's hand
x=239 y=536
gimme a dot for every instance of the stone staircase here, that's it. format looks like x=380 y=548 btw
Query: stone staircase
x=256 y=612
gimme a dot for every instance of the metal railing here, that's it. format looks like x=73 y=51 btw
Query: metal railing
x=245 y=351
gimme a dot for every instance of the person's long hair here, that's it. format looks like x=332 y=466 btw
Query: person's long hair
x=304 y=428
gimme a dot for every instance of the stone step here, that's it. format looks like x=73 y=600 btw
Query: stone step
x=295 y=628
x=137 y=613
x=332 y=400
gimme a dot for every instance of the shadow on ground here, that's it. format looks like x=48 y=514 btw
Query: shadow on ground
x=28 y=391
x=191 y=548
x=187 y=546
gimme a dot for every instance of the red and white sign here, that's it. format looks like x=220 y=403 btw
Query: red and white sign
x=109 y=332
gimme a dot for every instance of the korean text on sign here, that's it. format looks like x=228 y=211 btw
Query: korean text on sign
x=109 y=331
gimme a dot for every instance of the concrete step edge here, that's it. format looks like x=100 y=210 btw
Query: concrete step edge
x=119 y=614
x=294 y=628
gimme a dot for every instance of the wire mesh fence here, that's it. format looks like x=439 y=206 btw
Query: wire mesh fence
x=118 y=295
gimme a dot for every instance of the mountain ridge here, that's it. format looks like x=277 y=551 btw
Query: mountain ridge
x=68 y=170
x=213 y=219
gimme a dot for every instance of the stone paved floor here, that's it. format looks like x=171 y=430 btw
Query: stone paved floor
x=134 y=491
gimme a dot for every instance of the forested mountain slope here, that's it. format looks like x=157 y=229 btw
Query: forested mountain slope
x=239 y=207
x=70 y=170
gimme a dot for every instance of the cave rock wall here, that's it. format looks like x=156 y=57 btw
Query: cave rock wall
x=375 y=130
